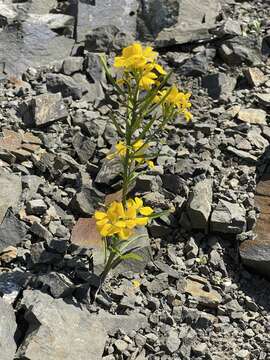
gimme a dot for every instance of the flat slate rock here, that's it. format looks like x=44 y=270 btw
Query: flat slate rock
x=12 y=231
x=58 y=330
x=10 y=192
x=256 y=253
x=8 y=327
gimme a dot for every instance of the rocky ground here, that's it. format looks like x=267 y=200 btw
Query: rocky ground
x=193 y=296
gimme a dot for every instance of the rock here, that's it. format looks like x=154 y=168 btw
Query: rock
x=195 y=287
x=243 y=355
x=84 y=147
x=47 y=108
x=109 y=172
x=40 y=231
x=35 y=45
x=53 y=21
x=228 y=218
x=107 y=38
x=8 y=328
x=199 y=204
x=60 y=285
x=121 y=345
x=219 y=86
x=199 y=349
x=176 y=23
x=252 y=116
x=9 y=254
x=72 y=65
x=94 y=14
x=243 y=154
x=256 y=253
x=65 y=85
x=263 y=99
x=191 y=249
x=12 y=231
x=255 y=76
x=10 y=192
x=172 y=342
x=36 y=207
x=71 y=331
x=39 y=255
x=229 y=27
x=86 y=201
x=240 y=50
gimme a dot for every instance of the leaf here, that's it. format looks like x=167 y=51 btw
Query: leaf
x=132 y=256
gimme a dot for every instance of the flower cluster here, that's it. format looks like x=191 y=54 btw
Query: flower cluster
x=121 y=221
x=141 y=62
x=137 y=153
x=177 y=100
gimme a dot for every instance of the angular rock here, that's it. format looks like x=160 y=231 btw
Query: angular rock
x=86 y=201
x=40 y=231
x=109 y=172
x=34 y=45
x=8 y=328
x=95 y=14
x=264 y=99
x=174 y=22
x=107 y=38
x=72 y=64
x=195 y=287
x=255 y=76
x=243 y=154
x=53 y=21
x=219 y=86
x=12 y=231
x=58 y=330
x=200 y=204
x=228 y=218
x=60 y=285
x=47 y=108
x=10 y=192
x=65 y=85
x=36 y=207
x=84 y=147
x=240 y=50
x=256 y=253
x=252 y=116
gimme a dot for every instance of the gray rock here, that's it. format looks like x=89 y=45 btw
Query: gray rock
x=107 y=38
x=109 y=172
x=60 y=285
x=72 y=64
x=39 y=255
x=191 y=249
x=84 y=147
x=86 y=201
x=240 y=50
x=58 y=330
x=8 y=327
x=40 y=231
x=243 y=154
x=228 y=218
x=34 y=45
x=65 y=85
x=36 y=207
x=229 y=27
x=199 y=204
x=264 y=99
x=10 y=192
x=172 y=341
x=12 y=231
x=174 y=22
x=219 y=86
x=47 y=108
x=53 y=21
x=95 y=14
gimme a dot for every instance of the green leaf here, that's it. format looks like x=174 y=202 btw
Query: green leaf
x=132 y=256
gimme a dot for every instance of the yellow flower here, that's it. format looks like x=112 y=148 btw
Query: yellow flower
x=121 y=221
x=176 y=99
x=121 y=150
x=135 y=57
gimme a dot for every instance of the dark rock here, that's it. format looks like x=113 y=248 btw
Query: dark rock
x=12 y=231
x=86 y=201
x=60 y=285
x=109 y=172
x=65 y=85
x=40 y=231
x=240 y=50
x=219 y=86
x=39 y=255
x=36 y=207
x=174 y=183
x=84 y=147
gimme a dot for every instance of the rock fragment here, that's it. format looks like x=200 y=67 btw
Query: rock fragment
x=228 y=218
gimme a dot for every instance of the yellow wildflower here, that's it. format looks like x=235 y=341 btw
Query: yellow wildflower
x=121 y=221
x=177 y=99
x=121 y=150
x=135 y=57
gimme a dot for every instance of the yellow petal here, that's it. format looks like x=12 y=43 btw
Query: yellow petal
x=150 y=164
x=100 y=215
x=160 y=69
x=142 y=221
x=146 y=211
x=120 y=224
x=131 y=223
x=131 y=213
x=138 y=202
